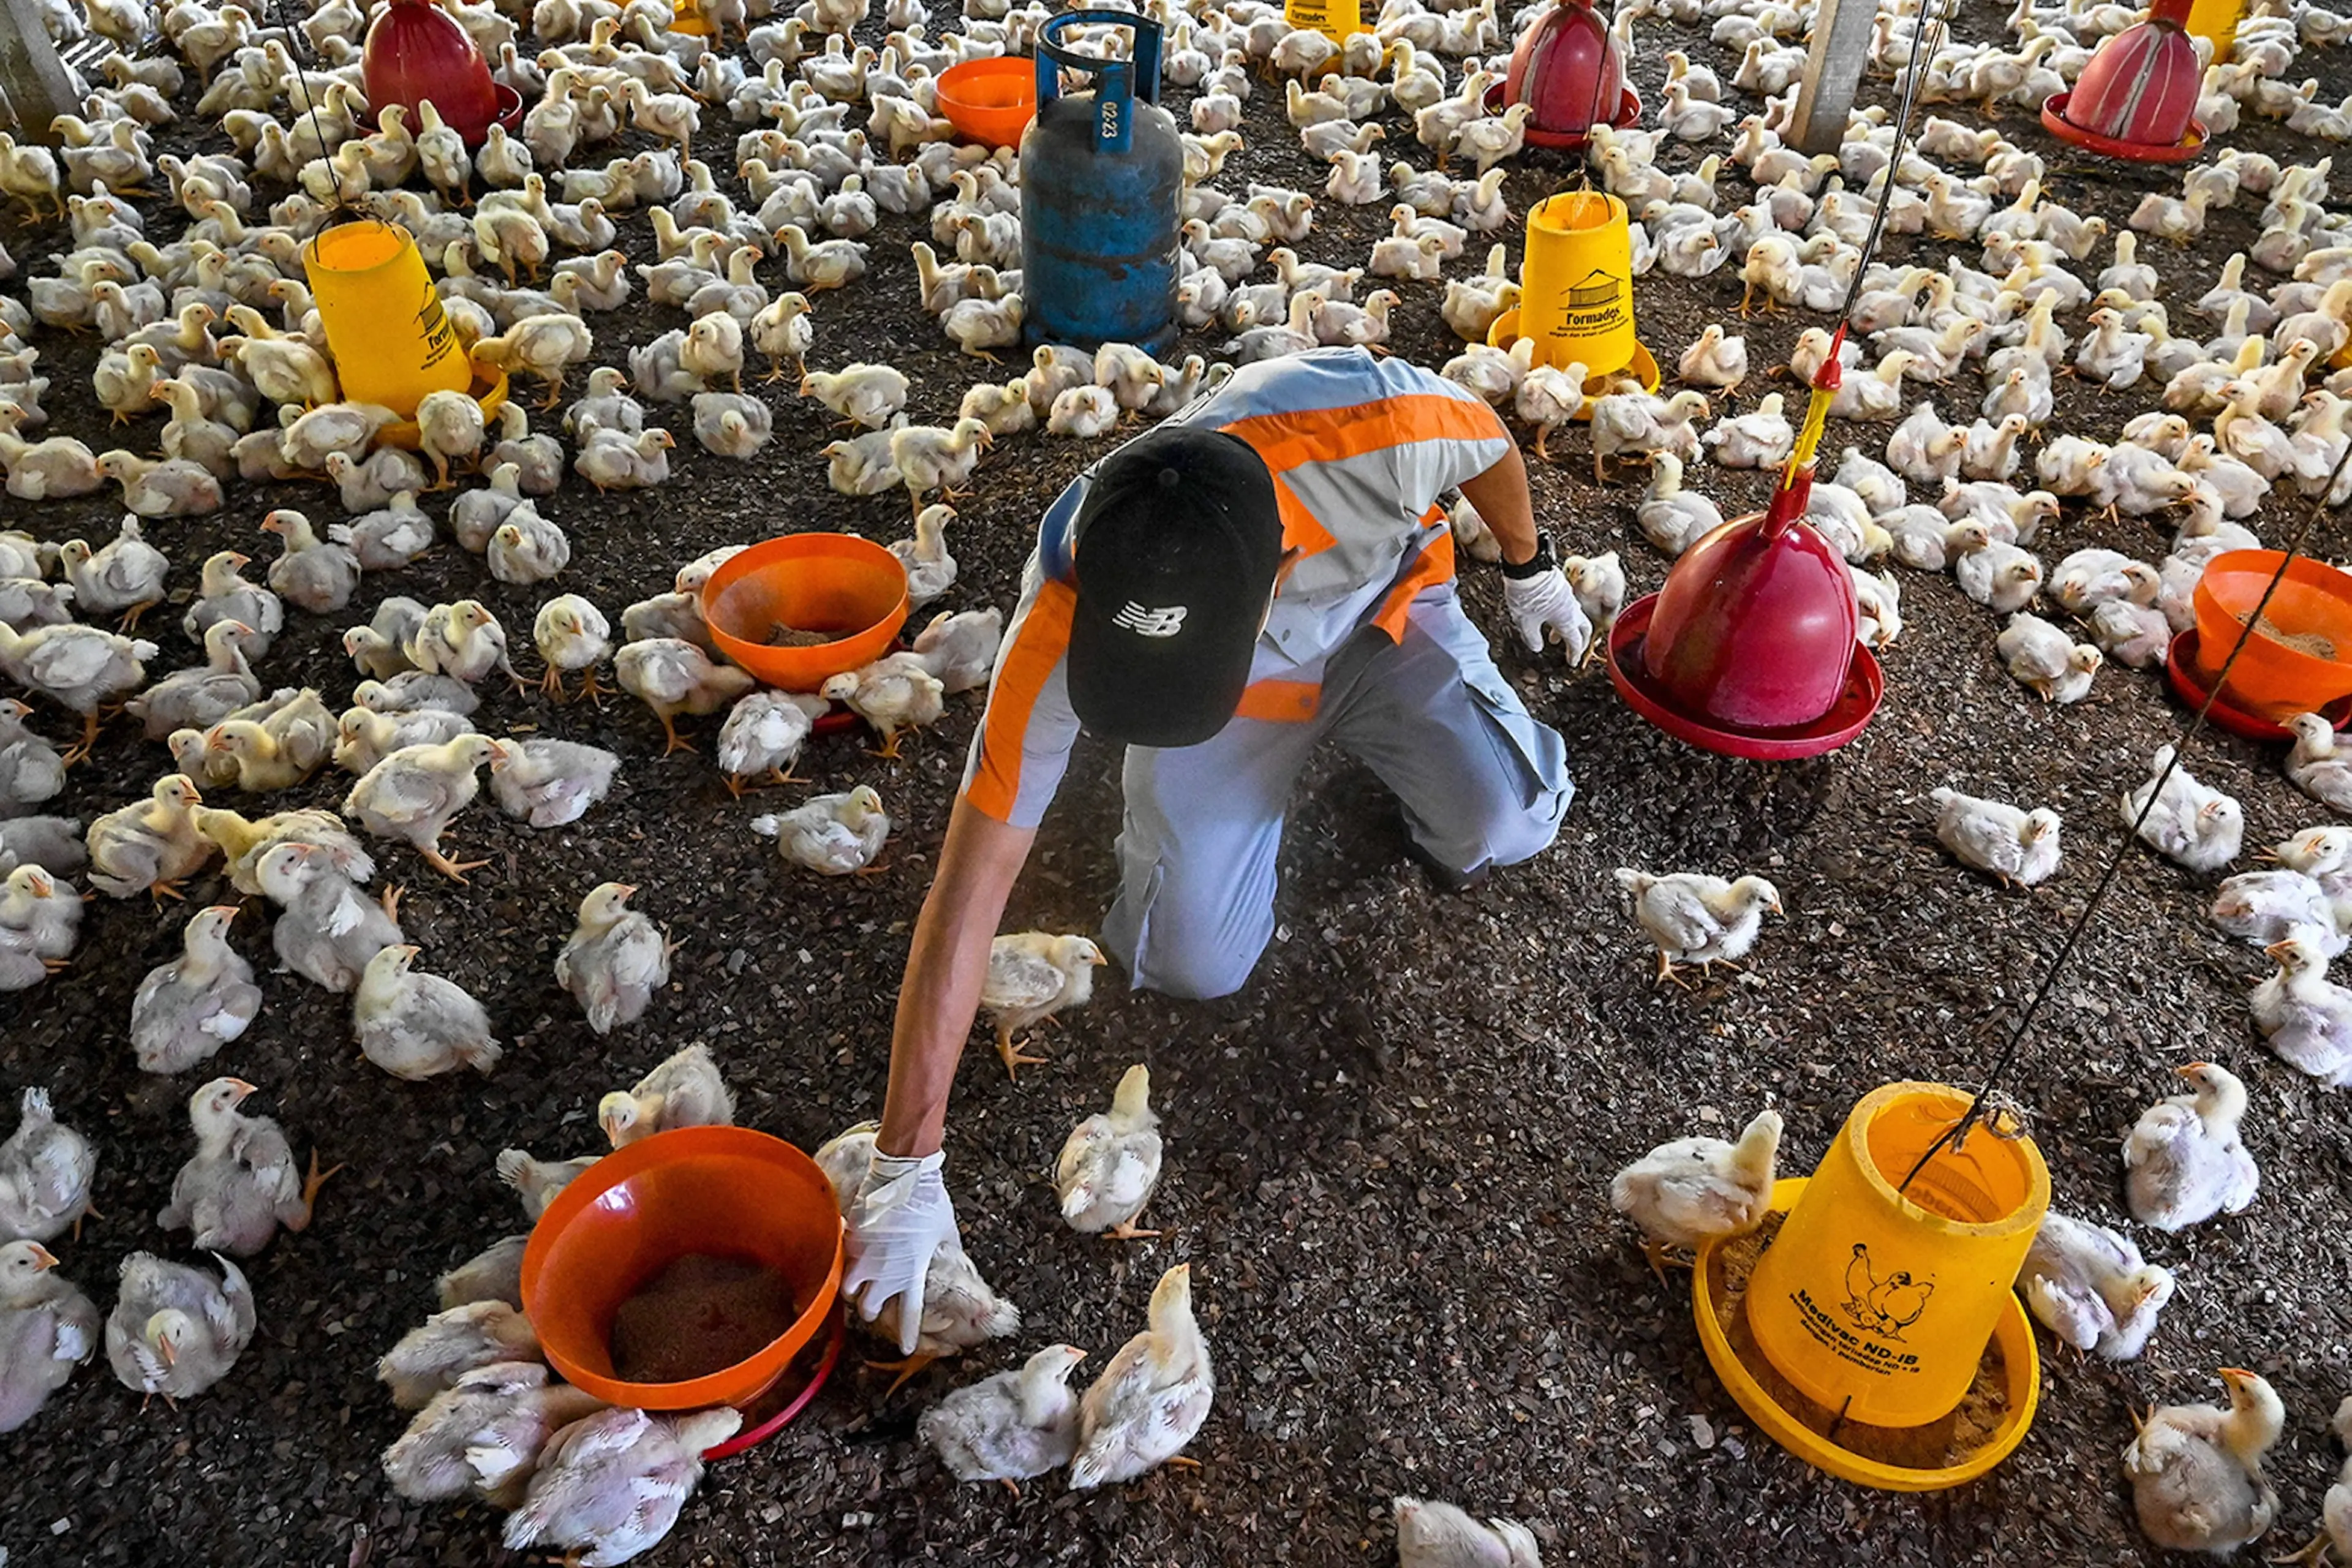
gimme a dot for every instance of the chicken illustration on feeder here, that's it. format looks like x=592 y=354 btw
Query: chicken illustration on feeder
x=1750 y=649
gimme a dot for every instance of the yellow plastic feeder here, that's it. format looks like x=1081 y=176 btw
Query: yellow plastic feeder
x=686 y=16
x=2216 y=21
x=1863 y=1326
x=1576 y=292
x=392 y=342
x=1335 y=19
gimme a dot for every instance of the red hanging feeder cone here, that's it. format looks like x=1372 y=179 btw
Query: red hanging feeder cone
x=2138 y=98
x=1750 y=647
x=416 y=51
x=1567 y=71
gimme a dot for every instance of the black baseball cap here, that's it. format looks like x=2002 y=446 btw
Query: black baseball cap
x=1177 y=545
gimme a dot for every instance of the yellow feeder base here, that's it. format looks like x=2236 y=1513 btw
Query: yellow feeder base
x=488 y=389
x=1642 y=367
x=2021 y=1362
x=686 y=16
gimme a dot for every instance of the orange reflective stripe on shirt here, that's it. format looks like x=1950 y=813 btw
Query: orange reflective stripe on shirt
x=1023 y=670
x=1280 y=701
x=1334 y=435
x=1434 y=565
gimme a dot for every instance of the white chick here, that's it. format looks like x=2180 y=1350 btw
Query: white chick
x=493 y=1274
x=2307 y=1017
x=1019 y=1422
x=48 y=1327
x=2018 y=848
x=416 y=1026
x=960 y=1311
x=834 y=835
x=2336 y=1508
x=2196 y=1469
x=2091 y=1287
x=45 y=1172
x=2183 y=1159
x=1110 y=1163
x=2045 y=659
x=1697 y=918
x=189 y=1008
x=2001 y=576
x=671 y=677
x=2191 y=824
x=1439 y=1535
x=430 y=1358
x=572 y=635
x=1696 y=1190
x=609 y=1486
x=2316 y=766
x=550 y=782
x=1031 y=975
x=173 y=1330
x=484 y=1434
x=931 y=570
x=2264 y=907
x=412 y=794
x=960 y=650
x=1714 y=359
x=615 y=960
x=1152 y=1398
x=1761 y=438
x=239 y=1187
x=1670 y=517
x=683 y=1090
x=1598 y=583
x=764 y=733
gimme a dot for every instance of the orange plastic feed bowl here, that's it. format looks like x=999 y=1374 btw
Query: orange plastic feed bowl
x=833 y=583
x=726 y=1191
x=2307 y=665
x=990 y=100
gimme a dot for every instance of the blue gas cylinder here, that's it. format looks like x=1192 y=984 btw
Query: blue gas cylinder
x=1101 y=176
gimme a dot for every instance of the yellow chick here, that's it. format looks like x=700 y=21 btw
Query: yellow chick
x=1111 y=1162
x=1032 y=975
x=151 y=846
x=686 y=1090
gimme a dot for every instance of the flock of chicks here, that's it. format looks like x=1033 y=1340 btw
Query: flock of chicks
x=409 y=736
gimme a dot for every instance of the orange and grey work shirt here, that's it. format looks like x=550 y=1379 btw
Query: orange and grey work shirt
x=1360 y=449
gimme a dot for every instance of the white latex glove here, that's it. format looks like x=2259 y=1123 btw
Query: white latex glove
x=1543 y=607
x=898 y=1220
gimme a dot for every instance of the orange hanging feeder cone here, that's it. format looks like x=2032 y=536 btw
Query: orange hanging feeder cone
x=385 y=327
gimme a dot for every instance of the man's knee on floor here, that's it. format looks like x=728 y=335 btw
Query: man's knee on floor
x=1193 y=971
x=1516 y=832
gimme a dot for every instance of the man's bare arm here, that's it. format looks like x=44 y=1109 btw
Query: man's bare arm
x=946 y=965
x=1500 y=494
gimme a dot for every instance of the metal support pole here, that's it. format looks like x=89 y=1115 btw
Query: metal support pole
x=1840 y=48
x=35 y=86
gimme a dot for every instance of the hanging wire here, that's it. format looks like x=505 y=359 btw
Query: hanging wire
x=1985 y=1095
x=338 y=209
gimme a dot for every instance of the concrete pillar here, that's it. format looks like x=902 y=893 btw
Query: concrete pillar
x=35 y=86
x=1840 y=48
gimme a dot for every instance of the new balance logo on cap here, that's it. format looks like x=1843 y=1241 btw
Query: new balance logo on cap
x=1164 y=621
